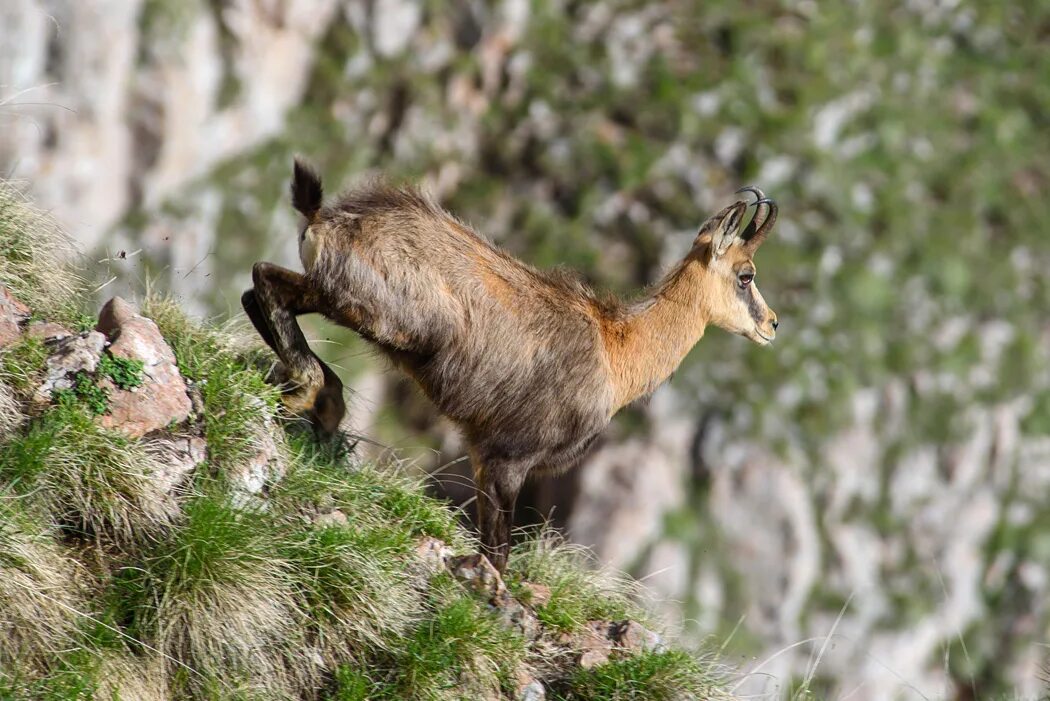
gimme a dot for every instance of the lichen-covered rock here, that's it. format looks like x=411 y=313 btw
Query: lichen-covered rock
x=12 y=315
x=264 y=467
x=176 y=457
x=70 y=356
x=516 y=615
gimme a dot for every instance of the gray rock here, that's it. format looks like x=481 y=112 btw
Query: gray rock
x=478 y=574
x=528 y=688
x=176 y=457
x=70 y=355
x=633 y=636
x=514 y=615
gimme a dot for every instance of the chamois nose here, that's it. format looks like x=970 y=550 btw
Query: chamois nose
x=775 y=324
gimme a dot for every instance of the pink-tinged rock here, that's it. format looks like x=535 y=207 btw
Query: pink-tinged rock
x=71 y=355
x=162 y=398
x=593 y=643
x=48 y=331
x=432 y=554
x=12 y=315
x=538 y=594
x=593 y=658
x=331 y=519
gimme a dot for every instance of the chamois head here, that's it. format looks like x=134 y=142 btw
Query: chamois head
x=727 y=251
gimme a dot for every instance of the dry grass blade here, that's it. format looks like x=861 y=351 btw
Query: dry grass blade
x=34 y=573
x=35 y=256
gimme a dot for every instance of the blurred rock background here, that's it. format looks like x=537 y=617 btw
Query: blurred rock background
x=862 y=511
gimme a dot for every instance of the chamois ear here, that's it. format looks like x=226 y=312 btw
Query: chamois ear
x=723 y=228
x=306 y=189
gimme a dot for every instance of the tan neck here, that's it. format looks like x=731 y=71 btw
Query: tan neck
x=650 y=343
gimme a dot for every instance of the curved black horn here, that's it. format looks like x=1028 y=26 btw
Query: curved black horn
x=759 y=195
x=760 y=224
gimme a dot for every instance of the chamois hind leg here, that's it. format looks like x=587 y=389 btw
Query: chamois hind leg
x=497 y=482
x=279 y=296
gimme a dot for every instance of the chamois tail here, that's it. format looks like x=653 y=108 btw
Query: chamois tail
x=306 y=189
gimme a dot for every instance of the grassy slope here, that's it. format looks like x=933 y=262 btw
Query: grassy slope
x=110 y=588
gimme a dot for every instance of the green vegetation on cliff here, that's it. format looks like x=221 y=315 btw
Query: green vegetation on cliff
x=129 y=571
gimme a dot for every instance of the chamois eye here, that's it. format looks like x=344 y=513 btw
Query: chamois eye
x=745 y=279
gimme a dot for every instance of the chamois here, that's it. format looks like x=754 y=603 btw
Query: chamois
x=530 y=364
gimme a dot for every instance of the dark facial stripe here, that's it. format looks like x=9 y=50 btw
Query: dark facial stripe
x=754 y=307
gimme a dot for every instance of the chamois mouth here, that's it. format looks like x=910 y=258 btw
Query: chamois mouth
x=763 y=339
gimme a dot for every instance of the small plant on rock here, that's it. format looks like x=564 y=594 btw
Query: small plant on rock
x=125 y=373
x=96 y=398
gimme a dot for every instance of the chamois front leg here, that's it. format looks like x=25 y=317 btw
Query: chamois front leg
x=278 y=297
x=497 y=482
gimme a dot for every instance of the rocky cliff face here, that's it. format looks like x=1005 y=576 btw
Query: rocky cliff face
x=114 y=106
x=885 y=461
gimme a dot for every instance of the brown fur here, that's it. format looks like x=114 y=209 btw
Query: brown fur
x=530 y=364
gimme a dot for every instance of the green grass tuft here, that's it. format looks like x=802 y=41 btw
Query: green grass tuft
x=217 y=596
x=10 y=412
x=39 y=591
x=352 y=683
x=461 y=651
x=649 y=676
x=34 y=259
x=354 y=585
x=87 y=478
x=580 y=592
x=22 y=363
x=369 y=491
